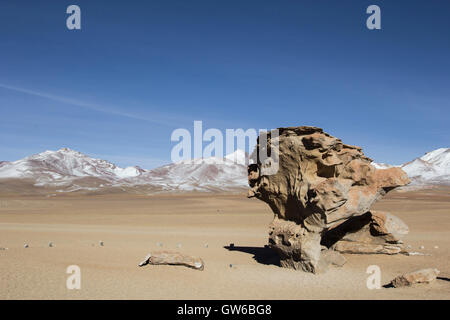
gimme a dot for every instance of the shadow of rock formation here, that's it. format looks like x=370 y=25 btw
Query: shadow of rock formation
x=264 y=255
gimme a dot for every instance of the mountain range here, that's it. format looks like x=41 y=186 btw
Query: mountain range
x=67 y=170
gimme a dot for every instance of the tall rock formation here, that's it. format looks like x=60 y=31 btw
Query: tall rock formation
x=321 y=197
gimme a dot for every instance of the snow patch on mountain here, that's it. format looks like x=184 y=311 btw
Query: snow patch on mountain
x=382 y=165
x=239 y=157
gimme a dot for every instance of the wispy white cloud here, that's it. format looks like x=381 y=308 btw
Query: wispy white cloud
x=87 y=105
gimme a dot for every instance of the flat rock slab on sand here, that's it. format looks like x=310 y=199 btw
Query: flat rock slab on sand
x=420 y=276
x=173 y=258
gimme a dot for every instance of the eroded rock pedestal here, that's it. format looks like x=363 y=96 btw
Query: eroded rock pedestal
x=321 y=196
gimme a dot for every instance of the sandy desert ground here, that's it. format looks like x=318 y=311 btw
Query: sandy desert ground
x=131 y=226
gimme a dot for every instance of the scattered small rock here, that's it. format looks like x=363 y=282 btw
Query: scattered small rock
x=420 y=276
x=206 y=245
x=178 y=245
x=159 y=244
x=101 y=243
x=50 y=244
x=26 y=246
x=421 y=247
x=231 y=266
x=3 y=248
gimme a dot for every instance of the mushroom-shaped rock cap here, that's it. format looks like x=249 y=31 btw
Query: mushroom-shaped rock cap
x=320 y=180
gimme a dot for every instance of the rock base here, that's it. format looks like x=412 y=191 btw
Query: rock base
x=300 y=249
x=374 y=232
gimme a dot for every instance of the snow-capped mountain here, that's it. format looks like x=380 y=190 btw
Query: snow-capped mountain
x=432 y=168
x=69 y=170
x=64 y=166
x=203 y=174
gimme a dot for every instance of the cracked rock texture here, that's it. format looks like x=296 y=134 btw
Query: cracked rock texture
x=321 y=196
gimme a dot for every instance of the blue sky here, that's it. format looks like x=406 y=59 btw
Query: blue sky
x=137 y=70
